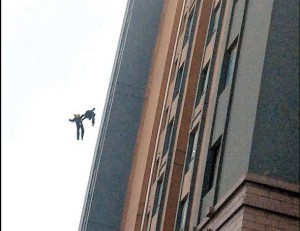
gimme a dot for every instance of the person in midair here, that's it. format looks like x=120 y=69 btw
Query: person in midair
x=90 y=114
x=78 y=120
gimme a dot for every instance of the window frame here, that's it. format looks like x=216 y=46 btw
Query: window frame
x=168 y=137
x=178 y=81
x=214 y=21
x=192 y=148
x=202 y=82
x=229 y=65
x=211 y=168
x=158 y=196
x=183 y=213
x=189 y=25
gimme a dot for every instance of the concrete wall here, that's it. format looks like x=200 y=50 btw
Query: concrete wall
x=275 y=150
x=245 y=96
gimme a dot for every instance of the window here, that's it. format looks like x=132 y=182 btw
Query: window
x=168 y=138
x=228 y=66
x=188 y=28
x=202 y=84
x=192 y=149
x=173 y=70
x=189 y=151
x=231 y=64
x=146 y=221
x=210 y=169
x=155 y=171
x=165 y=116
x=182 y=213
x=157 y=198
x=215 y=16
x=178 y=81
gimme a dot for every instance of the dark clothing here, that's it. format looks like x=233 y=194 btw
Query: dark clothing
x=79 y=125
x=90 y=114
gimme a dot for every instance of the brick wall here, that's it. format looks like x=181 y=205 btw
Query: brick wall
x=256 y=204
x=254 y=219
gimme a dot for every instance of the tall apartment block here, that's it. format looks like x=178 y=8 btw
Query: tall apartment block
x=106 y=191
x=201 y=126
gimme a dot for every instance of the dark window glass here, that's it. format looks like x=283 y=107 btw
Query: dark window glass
x=210 y=169
x=202 y=84
x=192 y=149
x=213 y=25
x=165 y=116
x=168 y=138
x=178 y=81
x=157 y=198
x=188 y=28
x=189 y=151
x=155 y=171
x=174 y=69
x=228 y=67
x=182 y=214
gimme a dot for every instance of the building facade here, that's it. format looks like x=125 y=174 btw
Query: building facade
x=106 y=190
x=216 y=145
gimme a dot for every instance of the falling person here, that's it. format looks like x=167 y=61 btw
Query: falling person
x=90 y=114
x=78 y=120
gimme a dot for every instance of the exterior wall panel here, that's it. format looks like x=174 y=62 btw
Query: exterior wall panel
x=245 y=97
x=276 y=135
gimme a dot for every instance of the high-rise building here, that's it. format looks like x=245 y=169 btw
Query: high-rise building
x=104 y=200
x=211 y=108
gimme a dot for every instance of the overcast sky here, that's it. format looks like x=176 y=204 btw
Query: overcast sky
x=56 y=61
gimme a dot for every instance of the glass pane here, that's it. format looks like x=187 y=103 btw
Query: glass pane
x=231 y=65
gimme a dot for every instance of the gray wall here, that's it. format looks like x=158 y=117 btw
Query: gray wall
x=275 y=150
x=112 y=161
x=241 y=120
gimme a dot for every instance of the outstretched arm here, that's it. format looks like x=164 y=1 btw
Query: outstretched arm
x=71 y=120
x=82 y=117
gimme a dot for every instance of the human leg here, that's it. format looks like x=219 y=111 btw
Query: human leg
x=78 y=127
x=82 y=131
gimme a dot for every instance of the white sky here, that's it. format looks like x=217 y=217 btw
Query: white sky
x=57 y=58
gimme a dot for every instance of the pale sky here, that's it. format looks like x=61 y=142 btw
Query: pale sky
x=56 y=60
